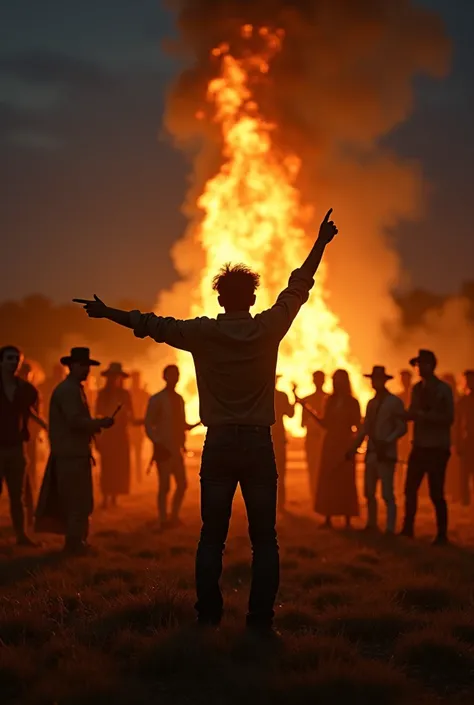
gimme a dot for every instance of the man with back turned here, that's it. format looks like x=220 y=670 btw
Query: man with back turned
x=235 y=357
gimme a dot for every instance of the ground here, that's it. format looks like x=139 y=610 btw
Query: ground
x=363 y=620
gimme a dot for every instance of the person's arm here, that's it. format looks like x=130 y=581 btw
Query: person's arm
x=327 y=232
x=362 y=432
x=76 y=414
x=281 y=315
x=179 y=334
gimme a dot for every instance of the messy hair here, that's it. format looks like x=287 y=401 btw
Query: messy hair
x=236 y=284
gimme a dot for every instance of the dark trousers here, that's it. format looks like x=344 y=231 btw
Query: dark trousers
x=431 y=462
x=233 y=455
x=172 y=467
x=280 y=459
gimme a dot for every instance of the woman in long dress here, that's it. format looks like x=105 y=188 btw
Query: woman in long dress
x=114 y=446
x=336 y=493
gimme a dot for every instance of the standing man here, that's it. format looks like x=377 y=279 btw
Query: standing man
x=465 y=437
x=383 y=426
x=405 y=443
x=235 y=357
x=166 y=426
x=432 y=411
x=282 y=408
x=66 y=497
x=18 y=404
x=314 y=431
x=140 y=399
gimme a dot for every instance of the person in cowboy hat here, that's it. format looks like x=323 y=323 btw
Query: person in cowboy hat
x=432 y=411
x=114 y=447
x=465 y=437
x=383 y=426
x=66 y=497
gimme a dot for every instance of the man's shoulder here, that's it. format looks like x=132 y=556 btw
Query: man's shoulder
x=444 y=387
x=64 y=387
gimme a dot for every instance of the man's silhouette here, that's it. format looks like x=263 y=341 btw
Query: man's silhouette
x=235 y=357
x=383 y=426
x=432 y=411
x=283 y=407
x=18 y=404
x=166 y=426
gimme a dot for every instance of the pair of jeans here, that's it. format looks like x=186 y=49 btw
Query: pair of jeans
x=433 y=463
x=12 y=470
x=235 y=455
x=383 y=470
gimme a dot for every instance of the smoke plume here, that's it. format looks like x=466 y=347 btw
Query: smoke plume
x=342 y=82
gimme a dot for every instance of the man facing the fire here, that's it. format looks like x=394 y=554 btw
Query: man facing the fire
x=235 y=357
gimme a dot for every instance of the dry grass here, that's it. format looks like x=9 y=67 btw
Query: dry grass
x=363 y=619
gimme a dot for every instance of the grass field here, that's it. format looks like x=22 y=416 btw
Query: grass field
x=365 y=621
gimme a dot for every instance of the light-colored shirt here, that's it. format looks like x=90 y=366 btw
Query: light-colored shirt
x=71 y=427
x=434 y=399
x=165 y=420
x=235 y=354
x=383 y=423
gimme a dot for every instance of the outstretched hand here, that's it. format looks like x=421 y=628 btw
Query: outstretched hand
x=94 y=308
x=327 y=229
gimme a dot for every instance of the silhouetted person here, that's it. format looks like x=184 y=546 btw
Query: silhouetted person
x=432 y=411
x=166 y=426
x=235 y=358
x=282 y=408
x=18 y=404
x=114 y=446
x=465 y=437
x=336 y=492
x=383 y=426
x=140 y=399
x=66 y=497
x=314 y=431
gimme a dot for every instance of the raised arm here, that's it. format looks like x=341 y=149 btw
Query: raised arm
x=281 y=315
x=327 y=232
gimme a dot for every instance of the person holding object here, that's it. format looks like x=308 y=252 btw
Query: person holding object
x=383 y=426
x=432 y=411
x=235 y=357
x=166 y=426
x=66 y=497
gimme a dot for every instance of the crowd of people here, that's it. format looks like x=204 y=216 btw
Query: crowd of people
x=235 y=357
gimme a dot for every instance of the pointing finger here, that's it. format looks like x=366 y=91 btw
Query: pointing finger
x=82 y=301
x=327 y=216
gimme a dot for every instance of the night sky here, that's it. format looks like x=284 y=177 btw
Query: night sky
x=91 y=188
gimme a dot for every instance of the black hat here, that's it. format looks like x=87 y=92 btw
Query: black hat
x=379 y=370
x=424 y=356
x=115 y=370
x=469 y=373
x=80 y=355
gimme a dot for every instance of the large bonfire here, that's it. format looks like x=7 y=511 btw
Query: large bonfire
x=252 y=212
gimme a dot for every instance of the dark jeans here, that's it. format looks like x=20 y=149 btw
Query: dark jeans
x=233 y=455
x=432 y=462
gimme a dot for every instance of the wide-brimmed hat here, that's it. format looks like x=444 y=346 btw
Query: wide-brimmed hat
x=115 y=370
x=80 y=355
x=427 y=356
x=469 y=373
x=379 y=371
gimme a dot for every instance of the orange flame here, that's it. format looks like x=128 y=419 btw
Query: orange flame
x=252 y=212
